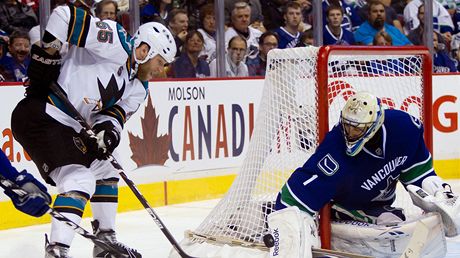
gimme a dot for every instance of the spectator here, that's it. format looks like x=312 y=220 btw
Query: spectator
x=193 y=8
x=307 y=19
x=257 y=65
x=241 y=15
x=306 y=39
x=188 y=65
x=34 y=4
x=442 y=21
x=256 y=10
x=333 y=33
x=454 y=47
x=107 y=10
x=416 y=35
x=289 y=34
x=178 y=25
x=234 y=64
x=156 y=10
x=17 y=59
x=366 y=32
x=442 y=63
x=208 y=30
x=382 y=39
x=16 y=16
x=4 y=76
x=390 y=14
x=273 y=13
x=259 y=25
x=351 y=19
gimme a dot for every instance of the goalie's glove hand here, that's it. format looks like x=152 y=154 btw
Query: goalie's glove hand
x=43 y=68
x=36 y=202
x=103 y=141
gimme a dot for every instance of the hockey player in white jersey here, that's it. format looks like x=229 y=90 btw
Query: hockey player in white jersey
x=105 y=76
x=356 y=167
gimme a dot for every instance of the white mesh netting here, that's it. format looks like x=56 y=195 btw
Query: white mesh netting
x=286 y=130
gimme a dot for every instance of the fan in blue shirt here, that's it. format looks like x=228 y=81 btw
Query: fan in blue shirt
x=366 y=32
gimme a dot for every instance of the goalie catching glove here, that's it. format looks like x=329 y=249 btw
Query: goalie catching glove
x=103 y=140
x=444 y=201
x=36 y=202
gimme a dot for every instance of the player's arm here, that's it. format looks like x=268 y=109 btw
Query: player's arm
x=428 y=191
x=420 y=171
x=37 y=200
x=104 y=39
x=306 y=191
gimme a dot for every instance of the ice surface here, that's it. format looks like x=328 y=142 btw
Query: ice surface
x=136 y=229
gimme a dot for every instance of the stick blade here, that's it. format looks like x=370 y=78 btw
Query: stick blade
x=417 y=242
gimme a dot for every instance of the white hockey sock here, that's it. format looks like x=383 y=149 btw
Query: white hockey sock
x=62 y=233
x=105 y=213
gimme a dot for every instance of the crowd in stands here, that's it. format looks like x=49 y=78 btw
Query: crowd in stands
x=253 y=27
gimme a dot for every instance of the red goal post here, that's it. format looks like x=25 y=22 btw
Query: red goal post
x=323 y=77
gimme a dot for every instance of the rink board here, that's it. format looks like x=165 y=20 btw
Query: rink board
x=209 y=123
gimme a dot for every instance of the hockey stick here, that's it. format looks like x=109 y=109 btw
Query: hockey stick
x=9 y=185
x=316 y=252
x=417 y=241
x=78 y=117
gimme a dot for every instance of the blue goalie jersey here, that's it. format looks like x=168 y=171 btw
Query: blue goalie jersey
x=366 y=180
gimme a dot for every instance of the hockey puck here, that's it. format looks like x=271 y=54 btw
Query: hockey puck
x=269 y=241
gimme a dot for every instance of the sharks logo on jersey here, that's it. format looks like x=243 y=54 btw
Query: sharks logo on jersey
x=111 y=93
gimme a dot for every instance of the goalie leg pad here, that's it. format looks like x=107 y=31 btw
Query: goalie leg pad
x=388 y=241
x=294 y=232
x=449 y=209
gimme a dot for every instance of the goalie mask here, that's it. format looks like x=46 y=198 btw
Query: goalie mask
x=361 y=117
x=158 y=38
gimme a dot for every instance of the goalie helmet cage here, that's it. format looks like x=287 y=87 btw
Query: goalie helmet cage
x=304 y=91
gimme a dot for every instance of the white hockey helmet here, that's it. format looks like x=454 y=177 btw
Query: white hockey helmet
x=158 y=38
x=361 y=117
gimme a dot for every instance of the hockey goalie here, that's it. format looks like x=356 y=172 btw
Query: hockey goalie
x=356 y=168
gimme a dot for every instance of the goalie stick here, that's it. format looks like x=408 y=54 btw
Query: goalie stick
x=71 y=110
x=417 y=241
x=268 y=238
x=8 y=184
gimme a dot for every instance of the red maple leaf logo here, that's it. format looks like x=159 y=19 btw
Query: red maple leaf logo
x=150 y=149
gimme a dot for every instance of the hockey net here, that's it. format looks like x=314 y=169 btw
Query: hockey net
x=304 y=91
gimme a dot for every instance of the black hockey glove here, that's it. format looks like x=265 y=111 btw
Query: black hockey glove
x=104 y=140
x=36 y=202
x=43 y=69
